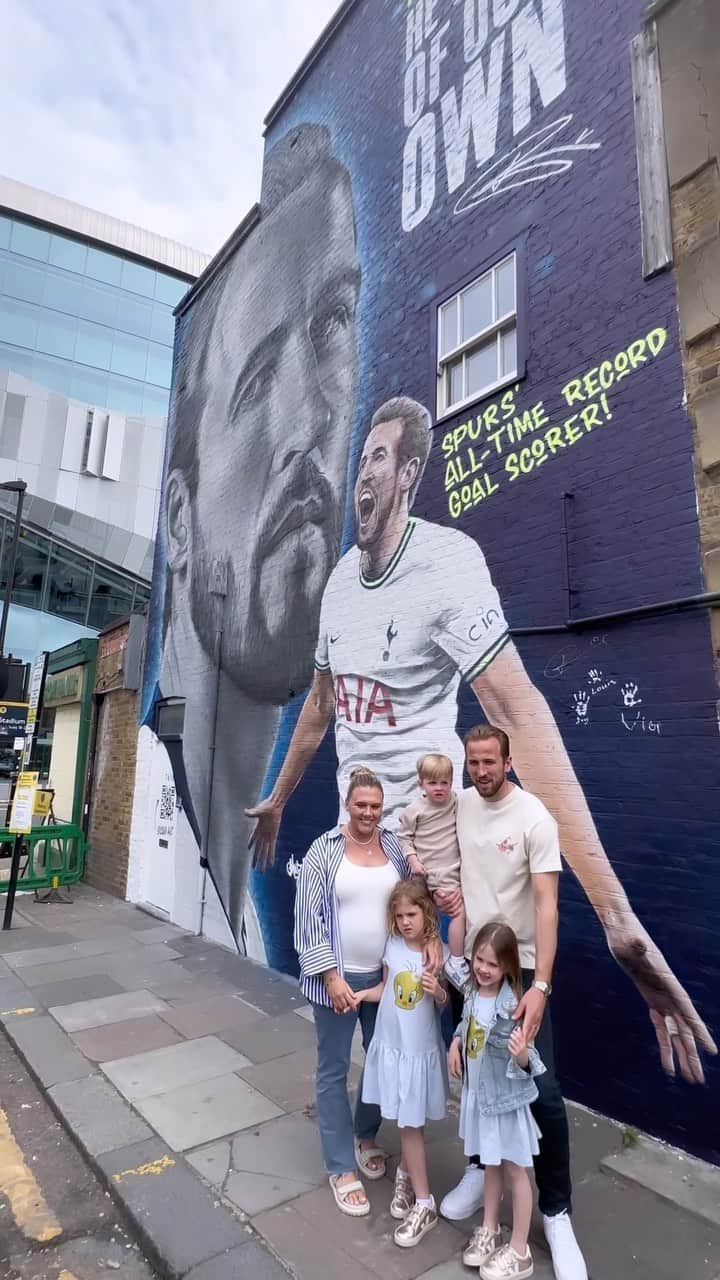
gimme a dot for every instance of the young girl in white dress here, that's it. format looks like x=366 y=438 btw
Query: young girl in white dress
x=495 y=1118
x=405 y=1068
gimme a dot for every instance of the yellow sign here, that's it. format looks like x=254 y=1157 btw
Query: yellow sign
x=43 y=802
x=23 y=803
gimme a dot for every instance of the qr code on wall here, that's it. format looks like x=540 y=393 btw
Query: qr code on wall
x=167 y=803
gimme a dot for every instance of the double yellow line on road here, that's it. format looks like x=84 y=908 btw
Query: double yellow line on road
x=17 y=1181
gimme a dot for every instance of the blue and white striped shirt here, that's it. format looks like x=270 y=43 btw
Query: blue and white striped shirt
x=317 y=936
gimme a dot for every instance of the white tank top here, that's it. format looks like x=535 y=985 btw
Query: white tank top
x=362 y=897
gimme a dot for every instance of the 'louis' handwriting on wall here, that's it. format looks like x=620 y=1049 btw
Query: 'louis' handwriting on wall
x=471 y=448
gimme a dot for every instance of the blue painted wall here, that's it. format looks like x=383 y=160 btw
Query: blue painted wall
x=634 y=700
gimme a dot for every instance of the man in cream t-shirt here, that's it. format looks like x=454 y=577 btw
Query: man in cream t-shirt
x=510 y=862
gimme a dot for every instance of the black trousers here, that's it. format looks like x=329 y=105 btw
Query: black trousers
x=552 y=1165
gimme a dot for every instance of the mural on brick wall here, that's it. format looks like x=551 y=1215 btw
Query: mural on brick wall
x=371 y=527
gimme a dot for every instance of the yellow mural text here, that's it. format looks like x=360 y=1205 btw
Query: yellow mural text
x=505 y=441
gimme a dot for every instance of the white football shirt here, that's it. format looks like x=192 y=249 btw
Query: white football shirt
x=397 y=646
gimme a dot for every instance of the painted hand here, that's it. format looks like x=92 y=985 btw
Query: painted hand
x=530 y=1013
x=679 y=1029
x=264 y=836
x=629 y=695
x=581 y=702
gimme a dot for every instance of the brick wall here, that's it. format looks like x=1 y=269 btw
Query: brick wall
x=689 y=40
x=454 y=134
x=113 y=776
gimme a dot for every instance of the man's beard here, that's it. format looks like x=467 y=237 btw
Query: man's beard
x=490 y=789
x=270 y=630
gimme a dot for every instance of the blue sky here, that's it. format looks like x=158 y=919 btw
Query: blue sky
x=150 y=110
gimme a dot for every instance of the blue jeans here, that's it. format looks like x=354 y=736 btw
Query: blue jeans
x=336 y=1123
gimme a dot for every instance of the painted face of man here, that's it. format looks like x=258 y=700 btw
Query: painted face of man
x=378 y=493
x=274 y=437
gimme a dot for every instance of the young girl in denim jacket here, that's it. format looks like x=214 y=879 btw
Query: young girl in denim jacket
x=497 y=1065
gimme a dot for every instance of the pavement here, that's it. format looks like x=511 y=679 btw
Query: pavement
x=56 y=1217
x=184 y=1074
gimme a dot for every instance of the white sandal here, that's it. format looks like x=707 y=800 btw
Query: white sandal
x=363 y=1155
x=341 y=1194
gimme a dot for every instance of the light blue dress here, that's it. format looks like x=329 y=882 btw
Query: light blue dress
x=405 y=1068
x=501 y=1132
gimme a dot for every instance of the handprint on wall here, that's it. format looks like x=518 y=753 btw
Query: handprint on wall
x=581 y=702
x=629 y=695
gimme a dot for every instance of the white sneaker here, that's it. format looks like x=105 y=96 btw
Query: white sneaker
x=466 y=1198
x=568 y=1262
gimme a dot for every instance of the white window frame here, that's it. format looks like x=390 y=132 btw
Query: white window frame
x=501 y=324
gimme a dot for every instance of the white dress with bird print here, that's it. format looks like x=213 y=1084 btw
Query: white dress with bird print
x=405 y=1068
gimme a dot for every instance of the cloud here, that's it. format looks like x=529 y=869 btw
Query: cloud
x=148 y=110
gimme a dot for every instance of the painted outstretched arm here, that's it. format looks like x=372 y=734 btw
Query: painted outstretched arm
x=309 y=732
x=511 y=701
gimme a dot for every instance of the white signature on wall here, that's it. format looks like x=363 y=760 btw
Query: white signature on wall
x=533 y=160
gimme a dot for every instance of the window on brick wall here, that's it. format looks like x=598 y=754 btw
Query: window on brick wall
x=477 y=337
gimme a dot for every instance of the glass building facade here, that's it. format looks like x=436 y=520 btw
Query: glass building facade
x=52 y=577
x=91 y=324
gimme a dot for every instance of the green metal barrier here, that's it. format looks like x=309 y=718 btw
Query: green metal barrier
x=51 y=856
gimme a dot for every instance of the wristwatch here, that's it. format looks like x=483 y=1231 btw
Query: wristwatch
x=543 y=986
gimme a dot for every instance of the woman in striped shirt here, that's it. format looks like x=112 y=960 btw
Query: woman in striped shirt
x=345 y=882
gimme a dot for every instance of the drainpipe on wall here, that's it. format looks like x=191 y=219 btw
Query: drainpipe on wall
x=86 y=719
x=218 y=587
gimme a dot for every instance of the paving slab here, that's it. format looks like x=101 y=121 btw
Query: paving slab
x=268 y=1165
x=145 y=1075
x=198 y=1113
x=76 y=950
x=249 y=1260
x=158 y=933
x=210 y=1015
x=296 y=1241
x=267 y=1038
x=289 y=1145
x=73 y=990
x=97 y=1116
x=672 y=1175
x=39 y=975
x=255 y=1192
x=134 y=1035
x=180 y=1221
x=48 y=1051
x=14 y=993
x=454 y=1269
x=135 y=972
x=290 y=1081
x=352 y=1246
x=179 y=987
x=21 y=937
x=213 y=1161
x=97 y=1013
x=275 y=1000
x=623 y=1234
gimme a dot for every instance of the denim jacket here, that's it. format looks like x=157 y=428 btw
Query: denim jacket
x=501 y=1085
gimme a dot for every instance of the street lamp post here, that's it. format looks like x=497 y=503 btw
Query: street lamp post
x=18 y=487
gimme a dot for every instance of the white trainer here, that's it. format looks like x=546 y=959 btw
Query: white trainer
x=466 y=1198
x=568 y=1262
